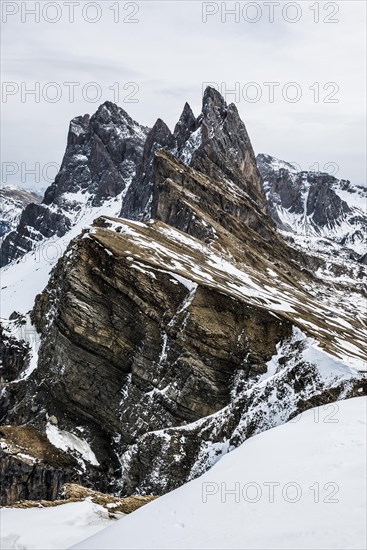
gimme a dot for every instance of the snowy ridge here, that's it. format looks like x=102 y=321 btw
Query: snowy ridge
x=327 y=319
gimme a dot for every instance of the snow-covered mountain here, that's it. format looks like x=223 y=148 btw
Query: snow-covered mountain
x=100 y=161
x=13 y=200
x=300 y=485
x=162 y=341
x=315 y=205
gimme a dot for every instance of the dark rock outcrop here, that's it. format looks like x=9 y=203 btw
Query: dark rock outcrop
x=185 y=127
x=139 y=196
x=225 y=146
x=189 y=200
x=216 y=145
x=101 y=158
x=30 y=467
x=14 y=357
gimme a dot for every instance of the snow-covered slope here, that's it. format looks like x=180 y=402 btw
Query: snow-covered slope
x=12 y=201
x=315 y=204
x=50 y=528
x=21 y=281
x=300 y=485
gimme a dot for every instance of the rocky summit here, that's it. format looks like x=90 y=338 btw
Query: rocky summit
x=101 y=158
x=201 y=296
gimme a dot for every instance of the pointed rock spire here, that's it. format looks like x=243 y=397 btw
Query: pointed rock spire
x=226 y=146
x=211 y=96
x=138 y=198
x=185 y=126
x=160 y=134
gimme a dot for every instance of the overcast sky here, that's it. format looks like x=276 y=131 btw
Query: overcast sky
x=165 y=57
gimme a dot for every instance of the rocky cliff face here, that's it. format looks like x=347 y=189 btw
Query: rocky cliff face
x=169 y=338
x=31 y=468
x=135 y=347
x=14 y=357
x=165 y=355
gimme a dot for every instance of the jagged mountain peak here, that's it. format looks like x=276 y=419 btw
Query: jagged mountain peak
x=109 y=106
x=110 y=113
x=211 y=97
x=186 y=125
x=187 y=117
x=215 y=110
x=107 y=112
x=109 y=117
x=226 y=144
x=139 y=196
x=216 y=144
x=101 y=156
x=160 y=133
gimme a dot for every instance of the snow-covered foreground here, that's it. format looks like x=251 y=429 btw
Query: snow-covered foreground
x=50 y=528
x=300 y=485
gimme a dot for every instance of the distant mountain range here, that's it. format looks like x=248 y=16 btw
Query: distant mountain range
x=315 y=204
